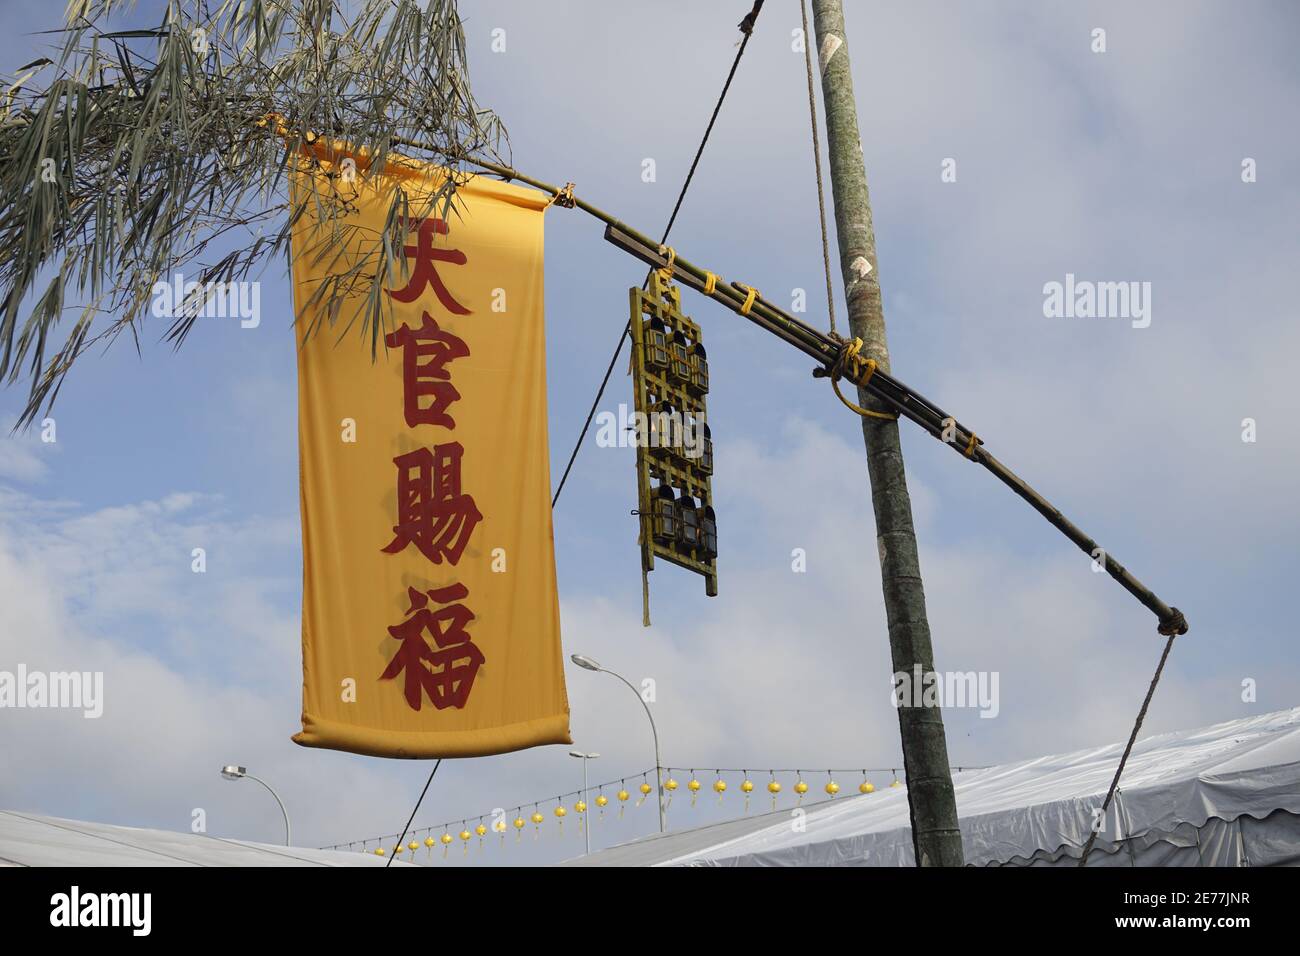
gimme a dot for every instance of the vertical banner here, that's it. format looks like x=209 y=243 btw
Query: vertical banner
x=430 y=619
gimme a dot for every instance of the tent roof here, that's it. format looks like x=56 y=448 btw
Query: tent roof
x=30 y=840
x=1249 y=766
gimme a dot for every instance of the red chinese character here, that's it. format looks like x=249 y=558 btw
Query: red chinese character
x=428 y=377
x=432 y=513
x=425 y=273
x=449 y=676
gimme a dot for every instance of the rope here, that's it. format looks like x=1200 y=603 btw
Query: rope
x=747 y=29
x=859 y=370
x=563 y=198
x=670 y=256
x=1083 y=860
x=817 y=164
x=402 y=838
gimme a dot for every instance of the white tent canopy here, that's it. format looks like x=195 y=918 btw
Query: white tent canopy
x=30 y=840
x=1226 y=795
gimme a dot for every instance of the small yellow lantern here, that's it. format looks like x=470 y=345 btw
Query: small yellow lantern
x=430 y=842
x=694 y=787
x=379 y=851
x=866 y=787
x=519 y=827
x=446 y=839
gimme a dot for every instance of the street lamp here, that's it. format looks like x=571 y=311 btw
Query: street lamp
x=586 y=824
x=231 y=772
x=587 y=663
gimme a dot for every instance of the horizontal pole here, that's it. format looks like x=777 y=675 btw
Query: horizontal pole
x=893 y=393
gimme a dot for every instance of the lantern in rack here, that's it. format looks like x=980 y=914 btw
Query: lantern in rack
x=704 y=460
x=679 y=360
x=699 y=370
x=688 y=526
x=665 y=427
x=708 y=534
x=655 y=337
x=663 y=519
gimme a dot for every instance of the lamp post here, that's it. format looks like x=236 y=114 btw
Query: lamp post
x=588 y=664
x=231 y=772
x=586 y=823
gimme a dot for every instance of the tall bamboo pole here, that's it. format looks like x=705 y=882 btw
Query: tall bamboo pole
x=935 y=836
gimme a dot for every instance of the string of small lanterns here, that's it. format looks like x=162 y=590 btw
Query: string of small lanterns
x=383 y=845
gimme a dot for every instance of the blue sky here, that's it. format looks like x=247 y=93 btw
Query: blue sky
x=1115 y=166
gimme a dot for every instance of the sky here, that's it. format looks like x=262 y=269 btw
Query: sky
x=1117 y=166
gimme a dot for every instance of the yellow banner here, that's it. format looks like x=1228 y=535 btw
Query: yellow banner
x=430 y=621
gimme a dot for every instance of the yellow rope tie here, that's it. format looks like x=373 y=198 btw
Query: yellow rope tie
x=970 y=445
x=862 y=369
x=710 y=283
x=563 y=197
x=670 y=255
x=750 y=295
